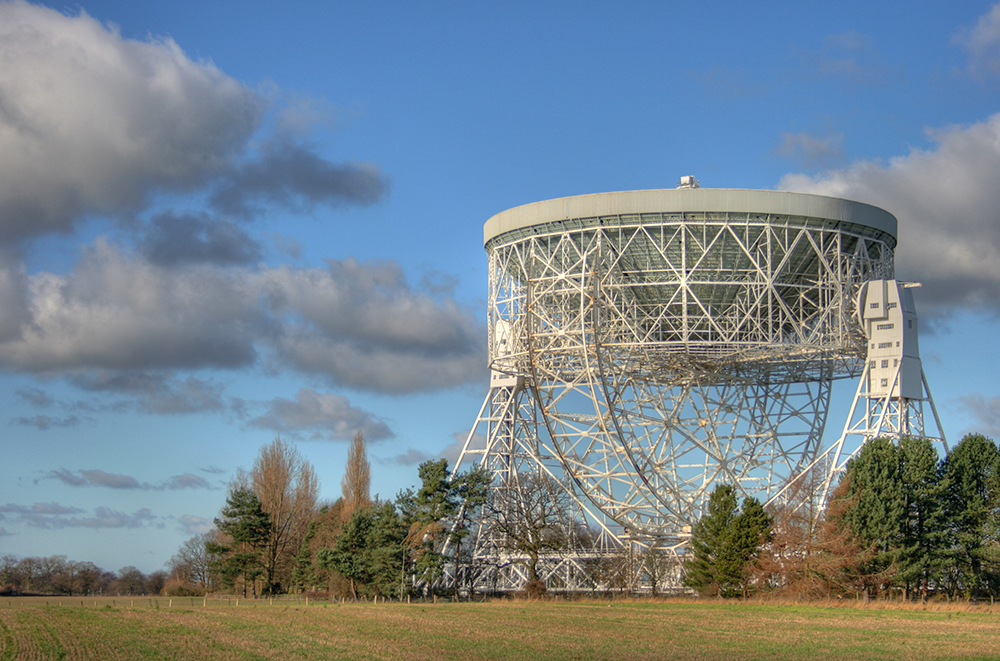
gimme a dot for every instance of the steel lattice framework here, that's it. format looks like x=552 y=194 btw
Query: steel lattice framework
x=670 y=340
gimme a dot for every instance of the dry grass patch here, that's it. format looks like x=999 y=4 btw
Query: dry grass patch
x=499 y=630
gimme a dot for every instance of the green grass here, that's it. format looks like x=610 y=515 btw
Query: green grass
x=29 y=630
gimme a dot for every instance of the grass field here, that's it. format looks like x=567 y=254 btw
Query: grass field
x=62 y=628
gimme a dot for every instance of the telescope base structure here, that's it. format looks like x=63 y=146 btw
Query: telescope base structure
x=648 y=346
x=706 y=435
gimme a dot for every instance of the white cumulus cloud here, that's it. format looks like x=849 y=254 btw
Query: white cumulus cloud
x=947 y=201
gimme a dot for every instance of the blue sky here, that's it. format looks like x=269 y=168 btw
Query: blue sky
x=222 y=222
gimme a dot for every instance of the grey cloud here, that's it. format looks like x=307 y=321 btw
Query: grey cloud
x=362 y=326
x=114 y=120
x=982 y=42
x=985 y=412
x=214 y=470
x=436 y=283
x=35 y=396
x=947 y=200
x=320 y=415
x=850 y=56
x=453 y=450
x=411 y=457
x=173 y=238
x=4 y=533
x=44 y=422
x=117 y=323
x=293 y=176
x=194 y=525
x=189 y=396
x=156 y=392
x=812 y=151
x=187 y=481
x=104 y=517
x=14 y=298
x=99 y=478
x=118 y=312
x=40 y=508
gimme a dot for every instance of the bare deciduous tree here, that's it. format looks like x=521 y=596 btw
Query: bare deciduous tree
x=287 y=487
x=530 y=517
x=356 y=485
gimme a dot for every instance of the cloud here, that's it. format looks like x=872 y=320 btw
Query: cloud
x=194 y=525
x=118 y=312
x=172 y=239
x=947 y=201
x=35 y=396
x=43 y=422
x=186 y=481
x=98 y=122
x=320 y=415
x=99 y=478
x=812 y=151
x=46 y=509
x=157 y=392
x=850 y=56
x=362 y=326
x=293 y=176
x=104 y=517
x=453 y=451
x=982 y=42
x=986 y=413
x=118 y=322
x=95 y=124
x=96 y=478
x=213 y=470
x=411 y=457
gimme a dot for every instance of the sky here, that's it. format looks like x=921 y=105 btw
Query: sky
x=225 y=222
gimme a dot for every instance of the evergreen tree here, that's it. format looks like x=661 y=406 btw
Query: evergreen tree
x=877 y=512
x=246 y=523
x=436 y=513
x=971 y=474
x=920 y=556
x=707 y=538
x=740 y=543
x=369 y=551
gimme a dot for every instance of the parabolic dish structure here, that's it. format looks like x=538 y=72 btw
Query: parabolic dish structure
x=671 y=340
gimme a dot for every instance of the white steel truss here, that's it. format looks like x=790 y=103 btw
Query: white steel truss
x=656 y=355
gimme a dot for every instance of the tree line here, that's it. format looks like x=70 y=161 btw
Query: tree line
x=272 y=536
x=59 y=576
x=901 y=522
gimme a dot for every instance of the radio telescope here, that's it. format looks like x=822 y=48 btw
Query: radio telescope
x=646 y=346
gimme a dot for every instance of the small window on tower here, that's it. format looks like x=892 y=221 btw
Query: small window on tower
x=885 y=363
x=873 y=306
x=872 y=364
x=909 y=323
x=884 y=383
x=890 y=306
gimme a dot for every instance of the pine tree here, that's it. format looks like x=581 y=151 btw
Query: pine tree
x=740 y=544
x=246 y=523
x=877 y=515
x=971 y=475
x=707 y=538
x=922 y=544
x=437 y=513
x=369 y=551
